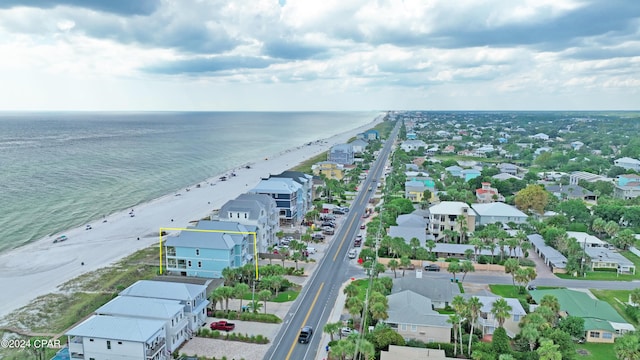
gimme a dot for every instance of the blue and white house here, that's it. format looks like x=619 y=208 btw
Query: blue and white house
x=171 y=312
x=253 y=210
x=115 y=337
x=287 y=194
x=342 y=154
x=209 y=248
x=192 y=297
x=305 y=198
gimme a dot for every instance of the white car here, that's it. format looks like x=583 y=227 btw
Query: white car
x=345 y=331
x=353 y=253
x=311 y=250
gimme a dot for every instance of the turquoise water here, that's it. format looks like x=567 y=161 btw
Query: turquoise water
x=61 y=170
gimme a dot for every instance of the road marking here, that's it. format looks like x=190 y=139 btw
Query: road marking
x=343 y=239
x=304 y=322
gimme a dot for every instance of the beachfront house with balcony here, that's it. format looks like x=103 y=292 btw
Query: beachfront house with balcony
x=412 y=316
x=115 y=337
x=444 y=216
x=342 y=154
x=210 y=247
x=171 y=312
x=257 y=211
x=369 y=135
x=359 y=146
x=192 y=297
x=305 y=198
x=287 y=194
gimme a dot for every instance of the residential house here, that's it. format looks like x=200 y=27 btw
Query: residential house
x=411 y=353
x=359 y=146
x=488 y=323
x=305 y=201
x=115 y=337
x=444 y=216
x=468 y=174
x=414 y=190
x=342 y=154
x=411 y=315
x=411 y=136
x=576 y=176
x=408 y=232
x=504 y=176
x=629 y=191
x=447 y=250
x=602 y=258
x=541 y=149
x=412 y=167
x=440 y=292
x=209 y=248
x=602 y=324
x=287 y=194
x=498 y=212
x=454 y=170
x=371 y=135
x=627 y=163
x=577 y=145
x=556 y=262
x=411 y=145
x=626 y=179
x=487 y=194
x=540 y=136
x=253 y=210
x=586 y=240
x=192 y=297
x=330 y=169
x=507 y=168
x=449 y=149
x=432 y=150
x=565 y=192
x=483 y=150
x=171 y=312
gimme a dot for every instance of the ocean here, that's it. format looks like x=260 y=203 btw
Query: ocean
x=61 y=170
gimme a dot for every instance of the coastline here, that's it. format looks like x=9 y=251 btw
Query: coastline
x=38 y=268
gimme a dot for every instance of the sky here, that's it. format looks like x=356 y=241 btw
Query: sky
x=314 y=55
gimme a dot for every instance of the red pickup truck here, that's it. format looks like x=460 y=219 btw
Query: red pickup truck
x=222 y=325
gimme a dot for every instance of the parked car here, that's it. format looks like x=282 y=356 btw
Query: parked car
x=305 y=335
x=346 y=331
x=432 y=267
x=317 y=237
x=328 y=223
x=311 y=250
x=531 y=287
x=88 y=227
x=328 y=231
x=357 y=242
x=362 y=227
x=222 y=325
x=338 y=212
x=352 y=254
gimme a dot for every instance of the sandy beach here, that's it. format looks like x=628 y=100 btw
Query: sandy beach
x=40 y=267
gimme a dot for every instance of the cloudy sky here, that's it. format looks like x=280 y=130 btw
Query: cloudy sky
x=319 y=54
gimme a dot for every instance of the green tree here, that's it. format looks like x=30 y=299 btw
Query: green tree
x=264 y=295
x=533 y=197
x=501 y=310
x=430 y=245
x=454 y=320
x=355 y=306
x=351 y=290
x=226 y=292
x=473 y=310
x=627 y=347
x=466 y=267
x=405 y=263
x=459 y=304
x=393 y=265
x=511 y=266
x=624 y=239
x=549 y=351
x=332 y=328
x=572 y=325
x=531 y=334
x=415 y=244
x=611 y=228
x=454 y=268
x=635 y=296
x=240 y=291
x=500 y=342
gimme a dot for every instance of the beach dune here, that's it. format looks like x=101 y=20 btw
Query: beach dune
x=40 y=267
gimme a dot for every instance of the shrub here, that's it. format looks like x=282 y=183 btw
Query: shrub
x=483 y=259
x=633 y=312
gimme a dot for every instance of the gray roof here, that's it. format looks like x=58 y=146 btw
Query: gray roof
x=550 y=254
x=487 y=303
x=276 y=186
x=407 y=307
x=572 y=190
x=497 y=209
x=441 y=290
x=411 y=220
x=203 y=240
x=264 y=199
x=342 y=147
x=164 y=290
x=252 y=207
x=297 y=176
x=604 y=254
x=139 y=307
x=117 y=328
x=407 y=232
x=450 y=208
x=505 y=176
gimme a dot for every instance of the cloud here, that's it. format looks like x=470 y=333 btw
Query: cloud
x=209 y=65
x=120 y=7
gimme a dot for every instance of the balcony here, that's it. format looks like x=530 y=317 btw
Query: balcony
x=153 y=349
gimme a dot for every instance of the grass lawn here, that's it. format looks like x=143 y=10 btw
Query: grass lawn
x=596 y=351
x=305 y=166
x=612 y=297
x=610 y=276
x=285 y=296
x=363 y=285
x=508 y=291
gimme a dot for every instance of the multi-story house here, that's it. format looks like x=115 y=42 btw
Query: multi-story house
x=412 y=316
x=487 y=194
x=286 y=193
x=192 y=297
x=359 y=146
x=507 y=168
x=330 y=169
x=305 y=198
x=410 y=145
x=627 y=163
x=342 y=154
x=576 y=176
x=115 y=337
x=487 y=321
x=498 y=212
x=170 y=311
x=209 y=248
x=444 y=216
x=414 y=190
x=257 y=210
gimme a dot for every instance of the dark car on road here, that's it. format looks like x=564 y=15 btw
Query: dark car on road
x=305 y=335
x=431 y=267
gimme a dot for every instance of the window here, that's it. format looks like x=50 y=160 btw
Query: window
x=197 y=252
x=607 y=335
x=516 y=317
x=189 y=263
x=91 y=340
x=594 y=334
x=119 y=342
x=199 y=264
x=414 y=328
x=245 y=215
x=108 y=345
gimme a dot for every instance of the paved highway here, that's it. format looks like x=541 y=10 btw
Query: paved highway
x=318 y=297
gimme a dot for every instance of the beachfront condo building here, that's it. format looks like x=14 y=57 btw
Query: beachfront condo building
x=171 y=312
x=257 y=210
x=292 y=192
x=192 y=297
x=342 y=154
x=209 y=248
x=115 y=337
x=304 y=202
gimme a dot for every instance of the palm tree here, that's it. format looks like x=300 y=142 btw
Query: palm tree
x=461 y=221
x=332 y=328
x=634 y=297
x=611 y=228
x=226 y=292
x=430 y=245
x=530 y=333
x=215 y=297
x=459 y=304
x=473 y=310
x=627 y=347
x=355 y=306
x=415 y=244
x=510 y=267
x=477 y=244
x=264 y=295
x=598 y=225
x=351 y=290
x=366 y=348
x=549 y=351
x=240 y=291
x=501 y=310
x=466 y=267
x=455 y=319
x=405 y=263
x=393 y=265
x=454 y=268
x=378 y=311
